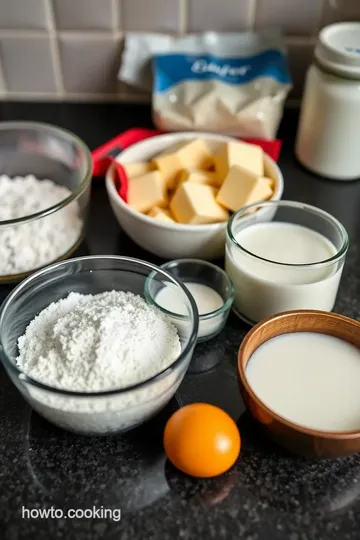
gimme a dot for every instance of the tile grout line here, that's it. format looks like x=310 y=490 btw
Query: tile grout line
x=102 y=98
x=3 y=81
x=97 y=34
x=115 y=12
x=252 y=14
x=183 y=16
x=78 y=96
x=322 y=14
x=23 y=33
x=45 y=33
x=54 y=47
x=94 y=34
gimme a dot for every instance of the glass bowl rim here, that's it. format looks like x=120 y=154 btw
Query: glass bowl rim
x=8 y=364
x=300 y=206
x=206 y=316
x=42 y=126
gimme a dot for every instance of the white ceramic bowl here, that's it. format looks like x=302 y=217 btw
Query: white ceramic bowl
x=175 y=240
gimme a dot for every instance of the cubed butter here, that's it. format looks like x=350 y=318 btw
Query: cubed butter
x=169 y=166
x=193 y=154
x=207 y=178
x=269 y=170
x=195 y=204
x=161 y=214
x=147 y=191
x=269 y=182
x=242 y=187
x=137 y=169
x=247 y=156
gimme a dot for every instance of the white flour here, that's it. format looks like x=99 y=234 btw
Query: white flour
x=100 y=342
x=37 y=243
x=93 y=343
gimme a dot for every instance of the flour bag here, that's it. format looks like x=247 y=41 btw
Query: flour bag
x=234 y=83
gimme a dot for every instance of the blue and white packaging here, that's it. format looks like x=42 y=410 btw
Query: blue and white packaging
x=234 y=83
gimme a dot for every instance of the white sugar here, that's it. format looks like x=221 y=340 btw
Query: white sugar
x=28 y=246
x=93 y=343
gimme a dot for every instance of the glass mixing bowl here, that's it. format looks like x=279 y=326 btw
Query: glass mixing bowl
x=46 y=152
x=97 y=412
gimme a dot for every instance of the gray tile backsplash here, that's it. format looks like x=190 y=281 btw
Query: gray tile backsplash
x=23 y=14
x=83 y=14
x=27 y=64
x=71 y=49
x=224 y=15
x=287 y=15
x=90 y=63
x=341 y=10
x=150 y=15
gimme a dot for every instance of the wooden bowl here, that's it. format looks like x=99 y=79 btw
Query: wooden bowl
x=298 y=439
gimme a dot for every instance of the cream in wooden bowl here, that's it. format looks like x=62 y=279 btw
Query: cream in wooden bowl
x=299 y=376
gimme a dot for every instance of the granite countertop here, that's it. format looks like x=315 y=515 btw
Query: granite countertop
x=268 y=495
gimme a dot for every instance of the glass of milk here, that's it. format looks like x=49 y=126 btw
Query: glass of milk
x=210 y=287
x=288 y=256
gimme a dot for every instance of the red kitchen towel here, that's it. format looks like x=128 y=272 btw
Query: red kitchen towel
x=105 y=154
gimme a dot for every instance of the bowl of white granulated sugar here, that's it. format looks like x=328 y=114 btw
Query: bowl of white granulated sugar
x=45 y=180
x=85 y=348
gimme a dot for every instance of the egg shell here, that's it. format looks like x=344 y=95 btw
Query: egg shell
x=202 y=440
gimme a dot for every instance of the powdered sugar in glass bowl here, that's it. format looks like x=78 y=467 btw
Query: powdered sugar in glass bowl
x=102 y=411
x=45 y=179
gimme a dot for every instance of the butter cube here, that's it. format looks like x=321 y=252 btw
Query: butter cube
x=247 y=156
x=269 y=170
x=207 y=178
x=161 y=214
x=242 y=187
x=195 y=154
x=195 y=204
x=147 y=191
x=137 y=169
x=269 y=182
x=169 y=165
x=192 y=154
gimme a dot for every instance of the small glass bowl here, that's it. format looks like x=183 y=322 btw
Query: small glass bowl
x=45 y=151
x=93 y=413
x=204 y=273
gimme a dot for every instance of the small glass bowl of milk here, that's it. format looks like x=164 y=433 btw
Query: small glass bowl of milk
x=290 y=256
x=210 y=287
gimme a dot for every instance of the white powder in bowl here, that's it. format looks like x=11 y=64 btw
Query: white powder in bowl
x=92 y=343
x=39 y=242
